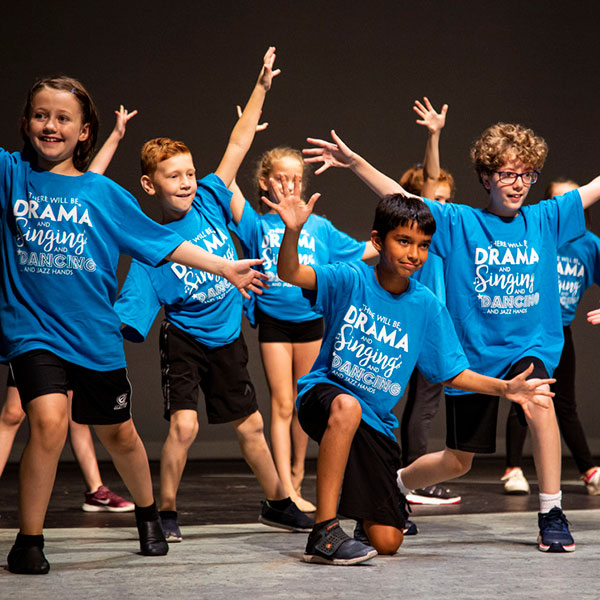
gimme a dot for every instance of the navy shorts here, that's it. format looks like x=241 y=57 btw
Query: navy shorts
x=221 y=373
x=471 y=419
x=99 y=397
x=369 y=490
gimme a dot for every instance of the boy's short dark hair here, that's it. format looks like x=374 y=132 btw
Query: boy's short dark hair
x=400 y=210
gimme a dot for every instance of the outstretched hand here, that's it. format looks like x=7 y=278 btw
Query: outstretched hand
x=523 y=391
x=287 y=201
x=335 y=154
x=593 y=316
x=431 y=119
x=241 y=274
x=267 y=73
x=123 y=115
x=259 y=127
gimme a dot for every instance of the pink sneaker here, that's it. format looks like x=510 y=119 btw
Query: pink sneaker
x=105 y=500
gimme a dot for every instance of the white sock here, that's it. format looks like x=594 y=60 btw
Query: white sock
x=401 y=485
x=549 y=501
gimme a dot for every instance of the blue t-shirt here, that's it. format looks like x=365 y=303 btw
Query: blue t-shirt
x=578 y=268
x=501 y=280
x=206 y=306
x=374 y=339
x=431 y=275
x=61 y=238
x=320 y=244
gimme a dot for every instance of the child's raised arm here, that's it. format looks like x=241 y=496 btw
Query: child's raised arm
x=294 y=213
x=590 y=193
x=337 y=154
x=434 y=122
x=106 y=153
x=242 y=134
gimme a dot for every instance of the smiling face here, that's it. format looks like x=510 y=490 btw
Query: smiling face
x=174 y=184
x=506 y=199
x=54 y=128
x=402 y=252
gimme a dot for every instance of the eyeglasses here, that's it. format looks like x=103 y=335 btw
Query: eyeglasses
x=509 y=177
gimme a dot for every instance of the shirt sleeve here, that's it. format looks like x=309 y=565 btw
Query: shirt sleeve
x=441 y=356
x=8 y=163
x=138 y=303
x=246 y=231
x=595 y=257
x=342 y=247
x=213 y=193
x=564 y=215
x=333 y=282
x=447 y=217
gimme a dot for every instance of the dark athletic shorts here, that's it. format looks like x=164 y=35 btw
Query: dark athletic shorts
x=369 y=490
x=99 y=397
x=220 y=372
x=275 y=330
x=471 y=419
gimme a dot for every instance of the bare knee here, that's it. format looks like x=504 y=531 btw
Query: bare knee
x=344 y=413
x=50 y=431
x=12 y=415
x=384 y=538
x=250 y=427
x=282 y=407
x=459 y=462
x=184 y=427
x=121 y=438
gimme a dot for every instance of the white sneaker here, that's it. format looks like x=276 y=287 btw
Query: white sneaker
x=515 y=482
x=592 y=483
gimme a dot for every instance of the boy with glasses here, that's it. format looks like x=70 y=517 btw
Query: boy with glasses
x=502 y=294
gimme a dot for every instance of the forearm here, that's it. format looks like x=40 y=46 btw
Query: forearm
x=380 y=183
x=242 y=136
x=590 y=193
x=288 y=265
x=469 y=381
x=193 y=256
x=105 y=154
x=431 y=165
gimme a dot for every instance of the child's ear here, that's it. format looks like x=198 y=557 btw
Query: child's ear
x=147 y=185
x=84 y=133
x=262 y=183
x=485 y=180
x=376 y=240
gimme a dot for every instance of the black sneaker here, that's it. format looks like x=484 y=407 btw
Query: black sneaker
x=27 y=560
x=291 y=518
x=410 y=528
x=433 y=494
x=331 y=546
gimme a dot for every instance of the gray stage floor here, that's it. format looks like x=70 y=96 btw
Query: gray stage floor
x=482 y=548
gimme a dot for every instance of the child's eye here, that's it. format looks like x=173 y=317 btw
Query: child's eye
x=63 y=119
x=38 y=115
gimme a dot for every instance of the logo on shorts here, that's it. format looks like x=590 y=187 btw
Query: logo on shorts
x=248 y=389
x=121 y=402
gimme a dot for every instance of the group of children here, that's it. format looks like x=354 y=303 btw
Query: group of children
x=63 y=228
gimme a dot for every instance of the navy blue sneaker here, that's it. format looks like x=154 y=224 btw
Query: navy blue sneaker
x=331 y=545
x=554 y=532
x=360 y=535
x=410 y=528
x=290 y=518
x=170 y=526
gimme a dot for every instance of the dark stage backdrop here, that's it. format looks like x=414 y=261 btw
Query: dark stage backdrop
x=353 y=66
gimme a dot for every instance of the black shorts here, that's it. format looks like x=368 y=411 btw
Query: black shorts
x=369 y=490
x=220 y=372
x=271 y=329
x=471 y=419
x=99 y=397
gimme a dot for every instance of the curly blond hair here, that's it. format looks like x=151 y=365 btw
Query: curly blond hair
x=504 y=142
x=412 y=180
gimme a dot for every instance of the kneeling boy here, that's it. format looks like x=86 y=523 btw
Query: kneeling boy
x=379 y=325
